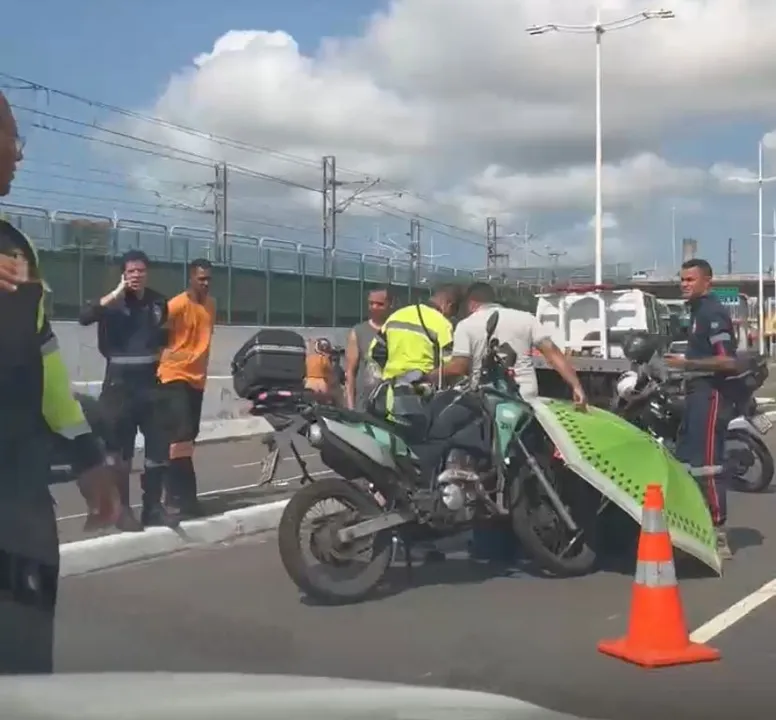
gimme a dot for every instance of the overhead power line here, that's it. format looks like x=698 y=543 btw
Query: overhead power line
x=130 y=142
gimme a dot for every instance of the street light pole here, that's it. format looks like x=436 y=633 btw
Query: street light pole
x=673 y=238
x=760 y=180
x=771 y=235
x=599 y=156
x=598 y=29
x=760 y=278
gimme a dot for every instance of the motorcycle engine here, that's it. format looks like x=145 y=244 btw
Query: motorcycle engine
x=457 y=485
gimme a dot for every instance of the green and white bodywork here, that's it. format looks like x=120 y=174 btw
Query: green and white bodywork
x=616 y=458
x=619 y=460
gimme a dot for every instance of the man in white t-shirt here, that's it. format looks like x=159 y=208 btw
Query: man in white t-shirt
x=521 y=330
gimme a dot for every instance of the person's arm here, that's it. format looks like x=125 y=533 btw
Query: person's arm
x=719 y=330
x=444 y=346
x=460 y=362
x=351 y=367
x=558 y=362
x=91 y=312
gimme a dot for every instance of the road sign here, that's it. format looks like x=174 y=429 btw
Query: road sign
x=727 y=293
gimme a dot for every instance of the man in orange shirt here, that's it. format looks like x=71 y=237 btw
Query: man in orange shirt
x=183 y=374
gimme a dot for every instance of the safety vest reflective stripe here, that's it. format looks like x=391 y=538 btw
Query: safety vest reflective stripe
x=652 y=521
x=655 y=574
x=410 y=327
x=134 y=360
x=51 y=345
x=704 y=470
x=720 y=337
x=71 y=432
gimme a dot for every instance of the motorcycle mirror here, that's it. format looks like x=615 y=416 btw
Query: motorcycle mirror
x=490 y=326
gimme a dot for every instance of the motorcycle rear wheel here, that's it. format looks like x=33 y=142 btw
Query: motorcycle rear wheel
x=762 y=455
x=582 y=503
x=326 y=585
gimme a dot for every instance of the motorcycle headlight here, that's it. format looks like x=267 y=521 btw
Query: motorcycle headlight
x=626 y=384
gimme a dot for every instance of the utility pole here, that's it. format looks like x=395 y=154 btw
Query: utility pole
x=329 y=203
x=414 y=251
x=554 y=257
x=332 y=206
x=730 y=256
x=220 y=206
x=491 y=244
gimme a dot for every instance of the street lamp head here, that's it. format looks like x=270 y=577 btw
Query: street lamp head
x=540 y=29
x=660 y=14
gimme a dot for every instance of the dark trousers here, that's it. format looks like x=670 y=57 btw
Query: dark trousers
x=701 y=445
x=181 y=410
x=126 y=408
x=29 y=558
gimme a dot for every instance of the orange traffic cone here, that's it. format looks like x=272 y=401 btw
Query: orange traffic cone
x=657 y=633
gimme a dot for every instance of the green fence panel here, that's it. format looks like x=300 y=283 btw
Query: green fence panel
x=318 y=302
x=349 y=296
x=244 y=296
x=248 y=297
x=285 y=292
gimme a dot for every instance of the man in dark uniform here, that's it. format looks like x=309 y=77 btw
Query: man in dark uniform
x=131 y=334
x=708 y=365
x=36 y=400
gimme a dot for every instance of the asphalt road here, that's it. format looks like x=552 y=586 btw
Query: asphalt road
x=226 y=475
x=460 y=624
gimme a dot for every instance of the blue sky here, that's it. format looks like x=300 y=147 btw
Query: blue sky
x=124 y=53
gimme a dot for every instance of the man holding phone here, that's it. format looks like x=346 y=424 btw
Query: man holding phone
x=37 y=399
x=131 y=334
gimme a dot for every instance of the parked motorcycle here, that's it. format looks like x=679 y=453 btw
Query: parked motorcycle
x=449 y=459
x=653 y=401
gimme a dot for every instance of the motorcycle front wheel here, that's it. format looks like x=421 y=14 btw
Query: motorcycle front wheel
x=320 y=565
x=547 y=540
x=756 y=474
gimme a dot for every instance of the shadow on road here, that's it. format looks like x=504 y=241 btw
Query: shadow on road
x=741 y=538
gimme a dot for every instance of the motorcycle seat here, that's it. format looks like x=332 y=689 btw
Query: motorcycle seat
x=356 y=416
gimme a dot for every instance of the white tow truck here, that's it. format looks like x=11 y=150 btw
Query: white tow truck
x=589 y=323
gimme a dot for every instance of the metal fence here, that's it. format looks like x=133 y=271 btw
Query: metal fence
x=262 y=280
x=51 y=230
x=615 y=273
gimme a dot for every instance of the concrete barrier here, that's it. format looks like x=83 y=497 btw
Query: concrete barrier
x=87 y=366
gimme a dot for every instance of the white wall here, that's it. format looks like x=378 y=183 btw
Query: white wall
x=86 y=365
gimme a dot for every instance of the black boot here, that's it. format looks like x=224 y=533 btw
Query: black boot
x=182 y=489
x=154 y=513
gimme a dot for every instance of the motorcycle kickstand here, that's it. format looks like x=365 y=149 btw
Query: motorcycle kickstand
x=407 y=546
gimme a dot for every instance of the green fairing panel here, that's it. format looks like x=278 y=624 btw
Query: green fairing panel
x=385 y=438
x=620 y=460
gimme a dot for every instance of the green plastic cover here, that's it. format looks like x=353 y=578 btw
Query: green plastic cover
x=620 y=460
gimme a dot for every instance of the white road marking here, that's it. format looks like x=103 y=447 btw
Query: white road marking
x=281 y=482
x=89 y=383
x=734 y=613
x=258 y=462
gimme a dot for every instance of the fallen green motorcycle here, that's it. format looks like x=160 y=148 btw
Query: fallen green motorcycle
x=466 y=455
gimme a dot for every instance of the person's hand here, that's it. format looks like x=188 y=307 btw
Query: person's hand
x=119 y=290
x=99 y=488
x=580 y=399
x=10 y=273
x=675 y=361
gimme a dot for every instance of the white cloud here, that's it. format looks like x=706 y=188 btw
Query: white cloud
x=509 y=195
x=455 y=100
